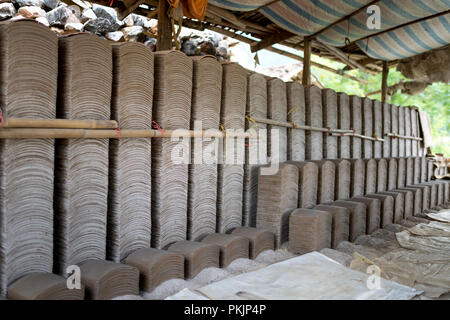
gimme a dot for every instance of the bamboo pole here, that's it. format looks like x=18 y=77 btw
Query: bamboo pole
x=357 y=135
x=394 y=135
x=39 y=133
x=300 y=127
x=59 y=123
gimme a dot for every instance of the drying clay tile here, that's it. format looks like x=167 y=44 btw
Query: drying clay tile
x=260 y=240
x=344 y=124
x=202 y=191
x=156 y=266
x=28 y=89
x=231 y=246
x=105 y=280
x=394 y=129
x=386 y=113
x=43 y=286
x=198 y=256
x=358 y=214
x=356 y=125
x=399 y=204
x=254 y=157
x=371 y=176
x=277 y=198
x=387 y=208
x=330 y=120
x=377 y=129
x=171 y=111
x=343 y=179
x=231 y=175
x=358 y=177
x=373 y=214
x=81 y=175
x=367 y=127
x=296 y=114
x=129 y=208
x=277 y=110
x=309 y=230
x=326 y=181
x=340 y=223
x=313 y=117
x=382 y=175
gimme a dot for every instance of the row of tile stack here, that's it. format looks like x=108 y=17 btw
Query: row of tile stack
x=314 y=205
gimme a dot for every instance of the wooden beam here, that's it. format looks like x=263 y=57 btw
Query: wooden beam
x=306 y=80
x=164 y=41
x=341 y=55
x=268 y=41
x=127 y=6
x=365 y=62
x=384 y=82
x=233 y=35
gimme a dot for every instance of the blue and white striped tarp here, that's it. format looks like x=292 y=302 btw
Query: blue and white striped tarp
x=410 y=40
x=305 y=17
x=243 y=5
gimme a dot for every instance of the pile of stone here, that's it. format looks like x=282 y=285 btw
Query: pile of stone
x=206 y=43
x=64 y=18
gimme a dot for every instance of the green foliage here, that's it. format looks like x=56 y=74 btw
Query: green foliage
x=435 y=99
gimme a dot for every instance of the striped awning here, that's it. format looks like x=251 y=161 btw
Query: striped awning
x=305 y=17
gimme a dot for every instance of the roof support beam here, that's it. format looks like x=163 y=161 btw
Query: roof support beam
x=164 y=41
x=306 y=79
x=239 y=37
x=271 y=40
x=384 y=82
x=341 y=55
x=128 y=6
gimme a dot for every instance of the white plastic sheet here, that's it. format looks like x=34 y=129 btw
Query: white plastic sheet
x=311 y=276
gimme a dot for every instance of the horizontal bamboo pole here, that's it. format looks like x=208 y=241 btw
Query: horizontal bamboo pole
x=357 y=135
x=38 y=133
x=300 y=127
x=393 y=135
x=59 y=123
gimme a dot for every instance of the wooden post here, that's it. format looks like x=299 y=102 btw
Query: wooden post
x=384 y=86
x=306 y=80
x=164 y=41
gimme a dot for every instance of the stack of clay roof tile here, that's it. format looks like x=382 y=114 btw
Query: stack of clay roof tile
x=172 y=109
x=231 y=172
x=81 y=169
x=198 y=256
x=277 y=110
x=156 y=266
x=296 y=115
x=206 y=100
x=256 y=149
x=129 y=219
x=28 y=78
